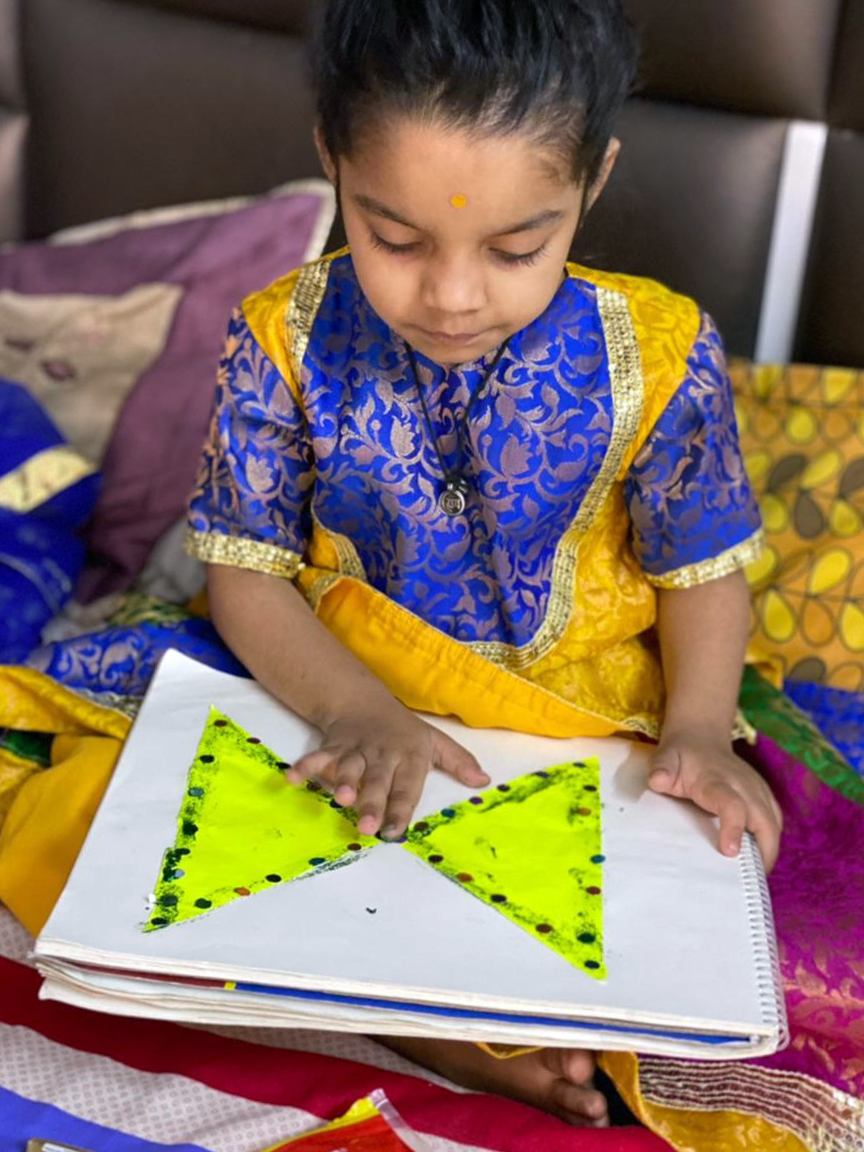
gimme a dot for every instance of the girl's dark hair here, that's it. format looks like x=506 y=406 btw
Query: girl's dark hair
x=560 y=69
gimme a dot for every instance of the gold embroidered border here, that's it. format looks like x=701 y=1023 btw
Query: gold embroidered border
x=303 y=308
x=714 y=568
x=41 y=477
x=822 y=1117
x=347 y=558
x=625 y=372
x=217 y=548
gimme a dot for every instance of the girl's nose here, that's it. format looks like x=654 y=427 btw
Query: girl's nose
x=454 y=285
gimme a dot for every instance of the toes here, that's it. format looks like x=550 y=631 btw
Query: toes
x=580 y=1105
x=572 y=1064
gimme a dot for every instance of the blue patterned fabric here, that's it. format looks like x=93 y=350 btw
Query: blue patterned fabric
x=838 y=715
x=41 y=552
x=688 y=493
x=121 y=661
x=356 y=454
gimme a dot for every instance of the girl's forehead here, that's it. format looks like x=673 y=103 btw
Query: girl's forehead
x=429 y=171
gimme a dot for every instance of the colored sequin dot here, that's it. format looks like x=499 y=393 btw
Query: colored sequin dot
x=544 y=929
x=181 y=851
x=273 y=878
x=583 y=811
x=168 y=901
x=335 y=804
x=436 y=859
x=503 y=787
x=202 y=903
x=354 y=847
x=282 y=765
x=421 y=826
x=178 y=873
x=158 y=921
x=252 y=740
x=313 y=786
x=189 y=828
x=449 y=813
x=586 y=938
x=316 y=860
x=242 y=891
x=578 y=764
x=590 y=788
x=497 y=898
x=196 y=792
x=542 y=775
x=593 y=891
x=598 y=859
x=476 y=800
x=220 y=723
x=465 y=878
x=592 y=964
x=206 y=759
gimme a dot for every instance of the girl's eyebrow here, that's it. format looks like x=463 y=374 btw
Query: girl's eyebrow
x=531 y=224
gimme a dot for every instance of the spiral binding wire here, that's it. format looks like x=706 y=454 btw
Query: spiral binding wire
x=763 y=934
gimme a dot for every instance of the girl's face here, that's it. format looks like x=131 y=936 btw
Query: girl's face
x=458 y=240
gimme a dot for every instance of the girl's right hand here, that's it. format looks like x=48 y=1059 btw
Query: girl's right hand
x=378 y=765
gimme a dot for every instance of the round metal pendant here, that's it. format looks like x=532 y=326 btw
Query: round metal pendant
x=452 y=500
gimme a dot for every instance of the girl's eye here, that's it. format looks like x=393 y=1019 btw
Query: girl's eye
x=396 y=249
x=520 y=259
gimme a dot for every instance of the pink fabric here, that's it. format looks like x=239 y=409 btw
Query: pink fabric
x=817 y=889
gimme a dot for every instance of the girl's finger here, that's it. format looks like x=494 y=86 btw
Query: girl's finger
x=346 y=776
x=312 y=764
x=372 y=798
x=723 y=801
x=766 y=829
x=733 y=822
x=456 y=761
x=405 y=793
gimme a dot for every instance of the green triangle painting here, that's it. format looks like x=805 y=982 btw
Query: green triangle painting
x=243 y=828
x=530 y=849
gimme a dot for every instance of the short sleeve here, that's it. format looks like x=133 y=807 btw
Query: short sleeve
x=250 y=504
x=693 y=513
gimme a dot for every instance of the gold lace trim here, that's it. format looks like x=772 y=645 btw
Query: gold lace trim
x=625 y=371
x=303 y=308
x=347 y=558
x=41 y=477
x=715 y=567
x=822 y=1117
x=239 y=552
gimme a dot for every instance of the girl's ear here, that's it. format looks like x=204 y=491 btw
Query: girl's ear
x=602 y=177
x=327 y=161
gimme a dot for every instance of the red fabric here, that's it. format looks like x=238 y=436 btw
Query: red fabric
x=322 y=1085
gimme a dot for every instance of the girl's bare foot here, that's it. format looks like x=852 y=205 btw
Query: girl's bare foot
x=558 y=1080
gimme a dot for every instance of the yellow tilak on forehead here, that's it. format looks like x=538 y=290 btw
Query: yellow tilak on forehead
x=459 y=200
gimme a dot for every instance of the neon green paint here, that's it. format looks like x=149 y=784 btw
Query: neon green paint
x=241 y=822
x=533 y=853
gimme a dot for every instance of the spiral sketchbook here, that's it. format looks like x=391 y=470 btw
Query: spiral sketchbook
x=562 y=904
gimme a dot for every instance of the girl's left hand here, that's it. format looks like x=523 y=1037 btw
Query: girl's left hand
x=708 y=772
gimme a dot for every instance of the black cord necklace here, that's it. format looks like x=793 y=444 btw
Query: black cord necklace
x=454 y=499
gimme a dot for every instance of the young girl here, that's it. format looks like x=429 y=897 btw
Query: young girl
x=450 y=472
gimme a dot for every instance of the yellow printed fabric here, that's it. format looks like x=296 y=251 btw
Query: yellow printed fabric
x=535 y=609
x=802 y=434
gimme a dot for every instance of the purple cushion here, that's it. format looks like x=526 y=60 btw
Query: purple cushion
x=214 y=259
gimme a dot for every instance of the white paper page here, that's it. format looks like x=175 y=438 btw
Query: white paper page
x=675 y=921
